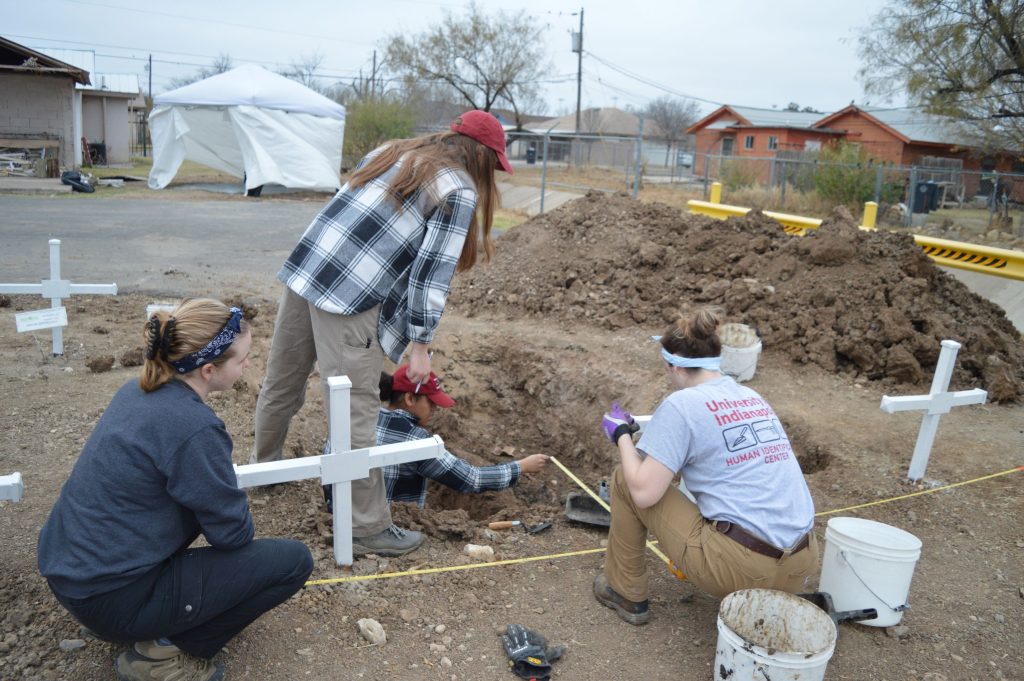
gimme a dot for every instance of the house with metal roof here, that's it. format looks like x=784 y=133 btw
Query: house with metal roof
x=104 y=108
x=38 y=106
x=899 y=137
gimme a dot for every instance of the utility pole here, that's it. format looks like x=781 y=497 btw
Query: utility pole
x=149 y=69
x=577 y=47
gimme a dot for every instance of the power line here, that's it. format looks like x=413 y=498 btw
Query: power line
x=208 y=20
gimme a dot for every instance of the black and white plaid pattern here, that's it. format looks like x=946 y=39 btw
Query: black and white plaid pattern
x=362 y=250
x=408 y=481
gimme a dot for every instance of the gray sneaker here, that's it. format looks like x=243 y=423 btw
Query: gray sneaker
x=393 y=541
x=146 y=661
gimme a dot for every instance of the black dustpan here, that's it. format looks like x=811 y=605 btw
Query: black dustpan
x=583 y=508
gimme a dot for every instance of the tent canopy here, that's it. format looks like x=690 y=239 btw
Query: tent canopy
x=250 y=123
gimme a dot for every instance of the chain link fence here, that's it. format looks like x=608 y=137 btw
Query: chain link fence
x=941 y=194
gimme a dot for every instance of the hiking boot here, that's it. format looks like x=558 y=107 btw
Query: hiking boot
x=148 y=661
x=393 y=541
x=630 y=611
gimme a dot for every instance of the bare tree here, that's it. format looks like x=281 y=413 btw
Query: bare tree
x=304 y=71
x=221 y=64
x=487 y=60
x=673 y=116
x=958 y=58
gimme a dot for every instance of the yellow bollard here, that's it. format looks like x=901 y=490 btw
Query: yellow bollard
x=870 y=215
x=716 y=192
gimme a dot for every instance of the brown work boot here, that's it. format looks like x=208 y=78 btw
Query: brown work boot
x=150 y=661
x=634 y=613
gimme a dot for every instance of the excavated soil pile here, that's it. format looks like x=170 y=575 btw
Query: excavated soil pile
x=869 y=304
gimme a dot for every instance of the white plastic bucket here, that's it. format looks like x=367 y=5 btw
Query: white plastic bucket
x=768 y=634
x=868 y=564
x=740 y=350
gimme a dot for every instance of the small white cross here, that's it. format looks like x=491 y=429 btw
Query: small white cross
x=11 y=487
x=936 y=403
x=56 y=289
x=341 y=466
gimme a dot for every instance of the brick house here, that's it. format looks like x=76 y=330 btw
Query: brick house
x=901 y=137
x=37 y=102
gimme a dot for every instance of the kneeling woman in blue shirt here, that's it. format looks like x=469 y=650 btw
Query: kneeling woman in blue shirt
x=156 y=473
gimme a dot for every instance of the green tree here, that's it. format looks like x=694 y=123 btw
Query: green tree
x=370 y=122
x=844 y=174
x=487 y=60
x=958 y=58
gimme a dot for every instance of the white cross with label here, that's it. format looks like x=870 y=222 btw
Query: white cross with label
x=936 y=403
x=341 y=466
x=56 y=289
x=11 y=487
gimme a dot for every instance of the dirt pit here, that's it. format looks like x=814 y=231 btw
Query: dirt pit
x=534 y=348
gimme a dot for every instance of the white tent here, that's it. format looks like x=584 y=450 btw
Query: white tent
x=249 y=122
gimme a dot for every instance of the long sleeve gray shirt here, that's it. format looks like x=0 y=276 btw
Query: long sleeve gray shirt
x=155 y=473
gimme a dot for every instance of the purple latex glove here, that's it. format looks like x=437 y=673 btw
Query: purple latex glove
x=617 y=422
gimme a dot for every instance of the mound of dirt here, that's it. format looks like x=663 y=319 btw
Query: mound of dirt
x=869 y=304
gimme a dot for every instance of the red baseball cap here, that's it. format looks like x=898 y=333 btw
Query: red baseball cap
x=485 y=129
x=431 y=387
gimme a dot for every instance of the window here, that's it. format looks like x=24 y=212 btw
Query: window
x=748 y=143
x=727 y=143
x=773 y=143
x=812 y=145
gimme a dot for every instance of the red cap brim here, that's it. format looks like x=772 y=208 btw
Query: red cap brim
x=442 y=400
x=503 y=162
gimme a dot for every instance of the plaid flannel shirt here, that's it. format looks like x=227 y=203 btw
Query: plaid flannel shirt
x=362 y=250
x=408 y=481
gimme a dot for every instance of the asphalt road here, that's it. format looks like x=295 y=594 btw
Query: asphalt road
x=218 y=248
x=154 y=246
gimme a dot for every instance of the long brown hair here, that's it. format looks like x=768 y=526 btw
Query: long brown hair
x=422 y=158
x=188 y=329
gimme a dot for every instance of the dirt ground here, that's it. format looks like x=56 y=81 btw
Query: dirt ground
x=534 y=347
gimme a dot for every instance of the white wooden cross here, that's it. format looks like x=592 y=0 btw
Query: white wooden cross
x=341 y=466
x=56 y=289
x=11 y=487
x=936 y=403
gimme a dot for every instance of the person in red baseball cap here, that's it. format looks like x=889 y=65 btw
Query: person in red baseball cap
x=369 y=279
x=485 y=129
x=409 y=406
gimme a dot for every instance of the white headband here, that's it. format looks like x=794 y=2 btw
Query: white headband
x=710 y=363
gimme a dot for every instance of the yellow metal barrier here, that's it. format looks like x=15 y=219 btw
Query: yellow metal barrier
x=1000 y=262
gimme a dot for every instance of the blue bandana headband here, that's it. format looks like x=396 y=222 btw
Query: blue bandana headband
x=709 y=363
x=215 y=348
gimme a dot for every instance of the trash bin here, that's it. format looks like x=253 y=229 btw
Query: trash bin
x=531 y=155
x=936 y=196
x=925 y=196
x=98 y=152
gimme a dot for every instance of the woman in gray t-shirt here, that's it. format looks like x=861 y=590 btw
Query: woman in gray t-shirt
x=750 y=524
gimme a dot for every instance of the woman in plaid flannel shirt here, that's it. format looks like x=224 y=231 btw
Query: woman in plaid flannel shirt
x=369 y=278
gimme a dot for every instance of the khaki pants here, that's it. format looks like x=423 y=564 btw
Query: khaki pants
x=713 y=562
x=341 y=345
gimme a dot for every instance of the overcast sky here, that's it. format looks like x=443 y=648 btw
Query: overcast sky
x=748 y=52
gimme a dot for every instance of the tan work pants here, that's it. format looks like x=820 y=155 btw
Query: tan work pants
x=712 y=561
x=341 y=345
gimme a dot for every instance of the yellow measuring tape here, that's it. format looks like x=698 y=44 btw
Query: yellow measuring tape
x=651 y=545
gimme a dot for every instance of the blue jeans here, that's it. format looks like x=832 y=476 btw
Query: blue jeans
x=198 y=598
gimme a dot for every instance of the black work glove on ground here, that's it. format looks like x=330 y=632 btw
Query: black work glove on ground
x=528 y=653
